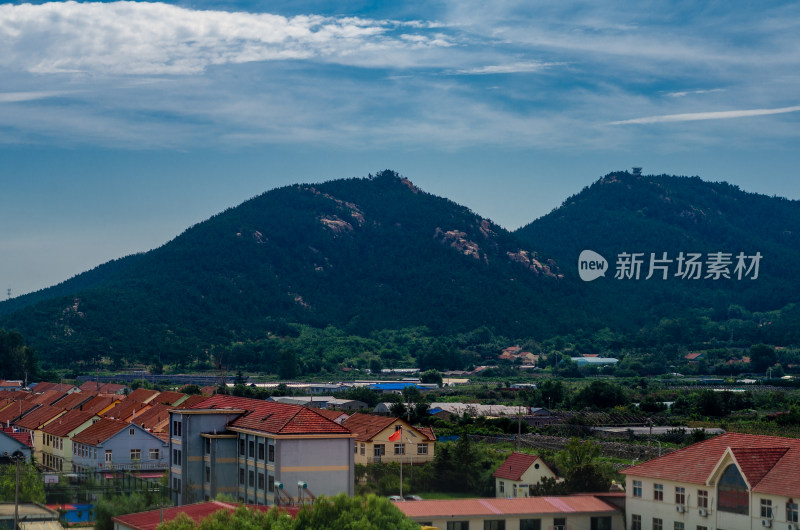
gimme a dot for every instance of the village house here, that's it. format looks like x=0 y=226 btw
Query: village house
x=375 y=440
x=56 y=450
x=112 y=445
x=520 y=471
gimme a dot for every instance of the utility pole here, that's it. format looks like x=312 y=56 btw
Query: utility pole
x=18 y=458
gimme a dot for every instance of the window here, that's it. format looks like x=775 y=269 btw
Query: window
x=560 y=523
x=658 y=524
x=399 y=449
x=154 y=454
x=637 y=488
x=208 y=474
x=363 y=449
x=271 y=453
x=136 y=454
x=108 y=456
x=530 y=524
x=379 y=450
x=355 y=449
x=176 y=457
x=658 y=492
x=261 y=450
x=457 y=525
x=678 y=525
x=502 y=487
x=636 y=522
x=261 y=481
x=791 y=512
x=241 y=476
x=702 y=499
x=732 y=493
x=702 y=527
x=494 y=524
x=241 y=446
x=251 y=449
x=176 y=428
x=422 y=449
x=271 y=483
x=207 y=443
x=131 y=431
x=251 y=478
x=600 y=523
x=680 y=495
x=766 y=508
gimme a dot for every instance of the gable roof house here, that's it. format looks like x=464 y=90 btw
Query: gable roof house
x=376 y=441
x=33 y=422
x=520 y=471
x=56 y=449
x=731 y=481
x=110 y=445
x=11 y=442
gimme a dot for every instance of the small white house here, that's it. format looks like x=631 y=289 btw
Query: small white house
x=520 y=471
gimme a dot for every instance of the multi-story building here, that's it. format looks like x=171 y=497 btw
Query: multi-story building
x=113 y=445
x=733 y=481
x=372 y=433
x=57 y=439
x=259 y=452
x=33 y=422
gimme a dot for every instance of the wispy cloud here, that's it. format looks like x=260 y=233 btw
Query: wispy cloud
x=18 y=97
x=510 y=68
x=685 y=93
x=696 y=116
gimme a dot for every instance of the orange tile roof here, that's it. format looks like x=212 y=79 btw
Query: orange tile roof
x=367 y=426
x=38 y=417
x=15 y=410
x=142 y=395
x=770 y=463
x=272 y=417
x=125 y=409
x=168 y=397
x=153 y=417
x=102 y=388
x=97 y=403
x=100 y=431
x=332 y=414
x=192 y=401
x=22 y=437
x=74 y=400
x=48 y=398
x=582 y=504
x=515 y=465
x=44 y=386
x=67 y=423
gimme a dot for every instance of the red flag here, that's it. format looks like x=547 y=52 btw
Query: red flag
x=396 y=436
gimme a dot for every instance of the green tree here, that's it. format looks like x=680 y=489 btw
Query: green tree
x=762 y=357
x=31 y=483
x=431 y=376
x=356 y=513
x=577 y=462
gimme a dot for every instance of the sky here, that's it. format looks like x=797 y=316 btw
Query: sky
x=124 y=123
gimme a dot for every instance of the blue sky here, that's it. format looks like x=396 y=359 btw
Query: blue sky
x=123 y=123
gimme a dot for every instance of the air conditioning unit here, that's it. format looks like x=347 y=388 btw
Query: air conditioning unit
x=680 y=508
x=766 y=523
x=703 y=512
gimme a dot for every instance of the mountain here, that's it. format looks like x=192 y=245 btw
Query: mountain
x=358 y=254
x=627 y=213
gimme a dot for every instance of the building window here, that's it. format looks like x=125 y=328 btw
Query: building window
x=399 y=449
x=176 y=428
x=702 y=499
x=702 y=527
x=131 y=431
x=658 y=524
x=422 y=449
x=637 y=488
x=271 y=483
x=530 y=524
x=636 y=522
x=241 y=446
x=108 y=456
x=154 y=454
x=658 y=492
x=560 y=523
x=207 y=445
x=261 y=481
x=251 y=449
x=791 y=512
x=208 y=474
x=355 y=449
x=261 y=451
x=176 y=457
x=494 y=524
x=363 y=449
x=733 y=495
x=136 y=454
x=271 y=453
x=680 y=495
x=379 y=450
x=679 y=525
x=600 y=523
x=251 y=478
x=766 y=508
x=241 y=476
x=502 y=487
x=457 y=525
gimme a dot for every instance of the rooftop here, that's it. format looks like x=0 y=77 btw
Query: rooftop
x=150 y=520
x=582 y=504
x=515 y=465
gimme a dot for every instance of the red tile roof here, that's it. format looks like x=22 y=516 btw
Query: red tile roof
x=25 y=438
x=48 y=398
x=74 y=400
x=155 y=418
x=191 y=401
x=15 y=410
x=44 y=386
x=769 y=463
x=100 y=431
x=272 y=417
x=38 y=417
x=515 y=465
x=332 y=414
x=67 y=423
x=150 y=520
x=142 y=395
x=102 y=388
x=540 y=506
x=367 y=426
x=125 y=409
x=97 y=403
x=168 y=398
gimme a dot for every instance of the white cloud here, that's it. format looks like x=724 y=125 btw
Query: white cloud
x=18 y=97
x=510 y=68
x=685 y=93
x=696 y=116
x=156 y=38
